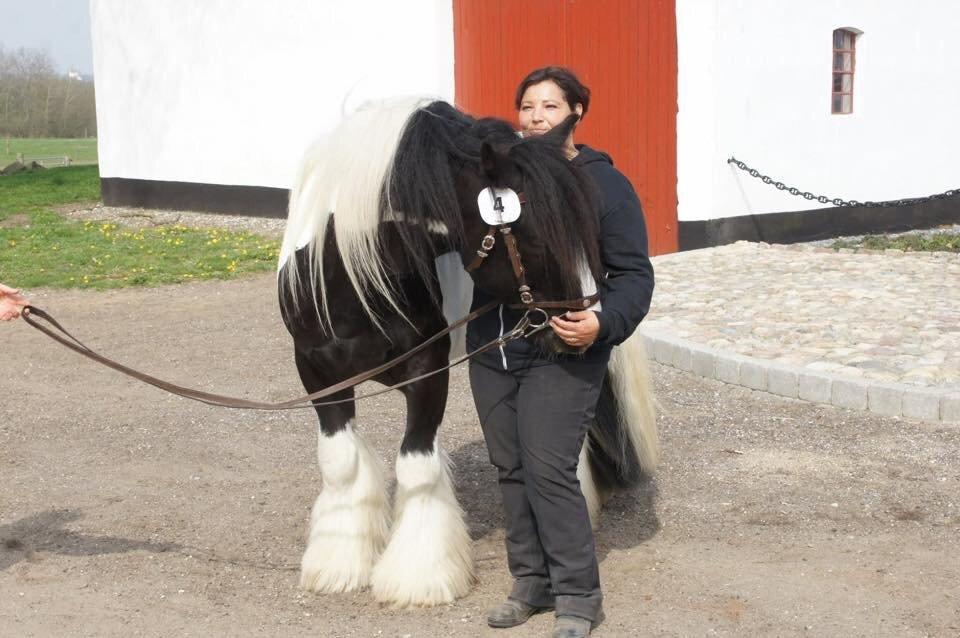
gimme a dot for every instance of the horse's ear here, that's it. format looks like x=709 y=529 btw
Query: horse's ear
x=558 y=134
x=493 y=162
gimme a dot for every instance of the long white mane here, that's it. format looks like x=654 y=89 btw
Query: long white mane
x=343 y=175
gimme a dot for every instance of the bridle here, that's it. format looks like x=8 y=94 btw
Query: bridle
x=527 y=301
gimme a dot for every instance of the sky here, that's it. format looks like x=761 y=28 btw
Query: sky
x=59 y=27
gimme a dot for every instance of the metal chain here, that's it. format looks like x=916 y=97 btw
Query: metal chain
x=836 y=201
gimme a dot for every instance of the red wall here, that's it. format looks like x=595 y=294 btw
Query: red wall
x=624 y=50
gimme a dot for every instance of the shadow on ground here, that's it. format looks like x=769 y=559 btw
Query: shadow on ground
x=46 y=532
x=627 y=520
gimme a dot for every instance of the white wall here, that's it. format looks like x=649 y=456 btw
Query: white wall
x=232 y=91
x=755 y=80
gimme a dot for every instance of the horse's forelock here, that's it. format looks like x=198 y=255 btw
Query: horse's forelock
x=562 y=210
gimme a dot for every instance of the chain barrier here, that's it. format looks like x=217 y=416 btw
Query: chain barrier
x=836 y=201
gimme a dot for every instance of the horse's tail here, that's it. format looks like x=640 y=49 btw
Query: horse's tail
x=622 y=445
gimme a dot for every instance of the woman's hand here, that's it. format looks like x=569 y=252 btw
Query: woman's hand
x=577 y=328
x=11 y=303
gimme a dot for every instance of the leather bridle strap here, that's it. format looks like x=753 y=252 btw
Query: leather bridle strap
x=526 y=297
x=568 y=304
x=68 y=340
x=486 y=245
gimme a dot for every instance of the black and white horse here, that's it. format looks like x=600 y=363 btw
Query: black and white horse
x=383 y=217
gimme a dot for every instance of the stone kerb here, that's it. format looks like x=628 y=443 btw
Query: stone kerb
x=882 y=398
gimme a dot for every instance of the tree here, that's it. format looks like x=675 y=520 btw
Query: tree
x=35 y=101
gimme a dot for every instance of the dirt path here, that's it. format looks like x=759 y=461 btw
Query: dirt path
x=127 y=512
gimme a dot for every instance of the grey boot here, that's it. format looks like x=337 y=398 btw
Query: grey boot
x=571 y=627
x=511 y=613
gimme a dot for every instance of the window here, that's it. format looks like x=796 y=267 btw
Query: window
x=844 y=62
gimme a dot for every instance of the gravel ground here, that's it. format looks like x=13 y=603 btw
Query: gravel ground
x=128 y=512
x=149 y=217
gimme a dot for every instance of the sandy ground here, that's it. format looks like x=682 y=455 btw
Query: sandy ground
x=128 y=512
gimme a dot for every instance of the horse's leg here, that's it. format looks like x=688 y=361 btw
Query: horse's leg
x=350 y=518
x=429 y=559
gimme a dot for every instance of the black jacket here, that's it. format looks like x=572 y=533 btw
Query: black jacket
x=625 y=292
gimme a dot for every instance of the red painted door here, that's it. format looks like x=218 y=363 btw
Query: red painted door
x=624 y=50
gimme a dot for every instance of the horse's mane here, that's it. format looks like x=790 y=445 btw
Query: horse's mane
x=397 y=161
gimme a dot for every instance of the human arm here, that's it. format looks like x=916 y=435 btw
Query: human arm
x=628 y=287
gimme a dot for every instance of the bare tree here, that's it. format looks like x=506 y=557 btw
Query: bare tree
x=36 y=101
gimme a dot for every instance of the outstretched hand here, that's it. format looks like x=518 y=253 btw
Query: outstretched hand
x=12 y=303
x=577 y=328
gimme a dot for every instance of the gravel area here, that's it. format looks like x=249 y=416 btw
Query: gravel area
x=128 y=512
x=149 y=217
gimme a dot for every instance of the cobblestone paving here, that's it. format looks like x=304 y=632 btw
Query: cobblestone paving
x=884 y=315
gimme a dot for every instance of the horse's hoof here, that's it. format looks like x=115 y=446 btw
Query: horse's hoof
x=323 y=575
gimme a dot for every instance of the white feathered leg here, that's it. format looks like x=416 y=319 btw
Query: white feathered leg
x=350 y=519
x=429 y=559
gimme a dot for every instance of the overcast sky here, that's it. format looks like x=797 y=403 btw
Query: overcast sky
x=59 y=27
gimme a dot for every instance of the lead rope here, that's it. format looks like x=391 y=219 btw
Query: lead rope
x=525 y=327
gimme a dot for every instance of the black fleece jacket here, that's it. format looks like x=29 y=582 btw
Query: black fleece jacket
x=627 y=289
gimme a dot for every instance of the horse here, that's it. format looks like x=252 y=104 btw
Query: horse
x=383 y=221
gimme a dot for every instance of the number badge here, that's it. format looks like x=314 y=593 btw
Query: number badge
x=498 y=206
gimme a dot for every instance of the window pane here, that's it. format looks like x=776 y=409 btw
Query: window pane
x=846 y=84
x=847 y=104
x=838 y=39
x=837 y=104
x=837 y=82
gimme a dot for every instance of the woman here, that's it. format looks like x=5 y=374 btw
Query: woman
x=535 y=412
x=12 y=304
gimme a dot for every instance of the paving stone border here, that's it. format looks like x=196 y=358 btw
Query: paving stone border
x=886 y=399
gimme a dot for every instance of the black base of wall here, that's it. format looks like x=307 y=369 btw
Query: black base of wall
x=261 y=201
x=773 y=228
x=823 y=223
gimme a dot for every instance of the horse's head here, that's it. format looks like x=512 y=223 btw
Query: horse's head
x=555 y=237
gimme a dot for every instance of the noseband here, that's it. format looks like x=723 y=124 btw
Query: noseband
x=519 y=272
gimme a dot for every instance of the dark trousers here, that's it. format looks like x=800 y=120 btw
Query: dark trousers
x=534 y=420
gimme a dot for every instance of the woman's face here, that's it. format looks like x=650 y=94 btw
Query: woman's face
x=543 y=107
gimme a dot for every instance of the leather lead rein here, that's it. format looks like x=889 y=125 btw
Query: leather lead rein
x=59 y=334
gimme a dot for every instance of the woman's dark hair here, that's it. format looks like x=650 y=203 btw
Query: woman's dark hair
x=574 y=91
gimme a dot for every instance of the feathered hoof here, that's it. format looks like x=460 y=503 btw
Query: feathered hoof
x=406 y=577
x=350 y=519
x=335 y=567
x=429 y=560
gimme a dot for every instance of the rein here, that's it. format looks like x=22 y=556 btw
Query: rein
x=525 y=327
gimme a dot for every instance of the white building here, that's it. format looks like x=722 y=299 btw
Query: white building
x=209 y=103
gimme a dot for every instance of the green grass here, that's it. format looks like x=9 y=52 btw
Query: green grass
x=40 y=248
x=80 y=150
x=913 y=242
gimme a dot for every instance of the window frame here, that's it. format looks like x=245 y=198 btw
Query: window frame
x=835 y=73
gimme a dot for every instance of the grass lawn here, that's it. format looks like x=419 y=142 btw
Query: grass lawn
x=914 y=242
x=40 y=248
x=80 y=150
